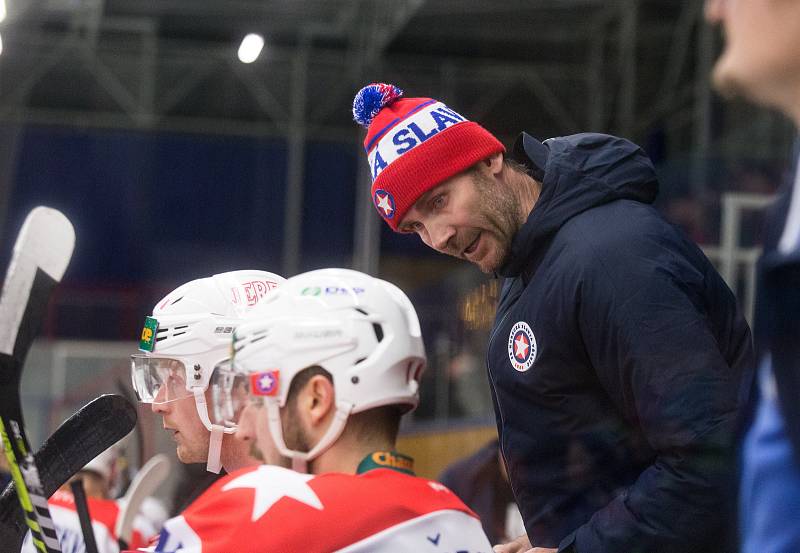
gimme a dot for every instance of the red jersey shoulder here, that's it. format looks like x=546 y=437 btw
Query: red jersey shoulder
x=279 y=505
x=103 y=511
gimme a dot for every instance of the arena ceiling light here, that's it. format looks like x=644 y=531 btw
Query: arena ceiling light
x=2 y=10
x=250 y=48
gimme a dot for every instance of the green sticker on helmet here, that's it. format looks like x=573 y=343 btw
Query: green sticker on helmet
x=147 y=341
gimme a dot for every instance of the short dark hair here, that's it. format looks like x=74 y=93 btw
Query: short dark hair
x=302 y=378
x=380 y=423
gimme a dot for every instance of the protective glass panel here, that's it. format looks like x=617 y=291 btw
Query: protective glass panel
x=158 y=379
x=230 y=392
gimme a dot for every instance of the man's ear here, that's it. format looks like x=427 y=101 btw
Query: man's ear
x=319 y=400
x=494 y=163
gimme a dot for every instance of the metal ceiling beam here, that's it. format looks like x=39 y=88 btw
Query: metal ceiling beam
x=678 y=53
x=248 y=9
x=702 y=110
x=626 y=100
x=295 y=161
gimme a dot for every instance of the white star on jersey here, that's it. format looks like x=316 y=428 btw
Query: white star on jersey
x=271 y=484
x=521 y=347
x=383 y=203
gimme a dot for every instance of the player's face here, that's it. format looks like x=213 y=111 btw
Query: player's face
x=191 y=436
x=761 y=59
x=469 y=216
x=253 y=429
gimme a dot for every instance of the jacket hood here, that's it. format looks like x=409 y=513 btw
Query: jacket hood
x=577 y=172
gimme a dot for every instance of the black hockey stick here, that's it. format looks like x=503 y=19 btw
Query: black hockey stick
x=94 y=428
x=41 y=255
x=82 y=506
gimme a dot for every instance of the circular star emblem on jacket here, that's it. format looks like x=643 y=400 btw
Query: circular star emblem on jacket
x=384 y=202
x=521 y=346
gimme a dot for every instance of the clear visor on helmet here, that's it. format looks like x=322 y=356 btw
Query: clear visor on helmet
x=158 y=379
x=230 y=392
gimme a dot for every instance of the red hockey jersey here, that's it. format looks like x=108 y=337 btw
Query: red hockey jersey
x=277 y=510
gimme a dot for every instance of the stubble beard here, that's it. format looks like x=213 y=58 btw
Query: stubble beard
x=501 y=217
x=294 y=436
x=255 y=452
x=192 y=453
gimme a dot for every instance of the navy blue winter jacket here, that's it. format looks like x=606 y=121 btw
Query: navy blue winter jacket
x=619 y=362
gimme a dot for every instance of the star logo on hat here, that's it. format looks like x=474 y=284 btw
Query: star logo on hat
x=522 y=347
x=384 y=202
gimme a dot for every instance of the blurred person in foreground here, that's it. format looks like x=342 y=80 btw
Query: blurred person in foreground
x=618 y=361
x=98 y=477
x=761 y=62
x=327 y=366
x=184 y=340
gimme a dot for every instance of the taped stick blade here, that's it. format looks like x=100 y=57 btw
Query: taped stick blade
x=91 y=430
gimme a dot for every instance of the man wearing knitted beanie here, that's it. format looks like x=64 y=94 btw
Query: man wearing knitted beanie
x=618 y=361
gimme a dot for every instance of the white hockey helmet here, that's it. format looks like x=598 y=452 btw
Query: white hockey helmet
x=188 y=335
x=362 y=330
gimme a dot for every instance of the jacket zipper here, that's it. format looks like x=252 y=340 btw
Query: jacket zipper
x=489 y=365
x=494 y=393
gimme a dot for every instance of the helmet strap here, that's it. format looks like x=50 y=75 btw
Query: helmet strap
x=300 y=459
x=215 y=449
x=214 y=463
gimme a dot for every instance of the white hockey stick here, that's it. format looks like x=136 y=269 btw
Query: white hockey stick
x=41 y=255
x=149 y=477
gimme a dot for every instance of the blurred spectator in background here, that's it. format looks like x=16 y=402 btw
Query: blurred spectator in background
x=467 y=371
x=761 y=61
x=98 y=478
x=481 y=481
x=192 y=480
x=690 y=215
x=758 y=179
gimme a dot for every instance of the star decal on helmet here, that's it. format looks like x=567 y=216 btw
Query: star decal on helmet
x=264 y=383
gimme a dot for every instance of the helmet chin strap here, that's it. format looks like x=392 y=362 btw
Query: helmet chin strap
x=300 y=459
x=213 y=463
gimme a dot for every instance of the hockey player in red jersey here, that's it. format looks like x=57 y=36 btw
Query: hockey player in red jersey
x=326 y=366
x=185 y=338
x=98 y=478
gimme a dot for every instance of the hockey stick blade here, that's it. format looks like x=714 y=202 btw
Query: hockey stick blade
x=86 y=434
x=40 y=257
x=146 y=481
